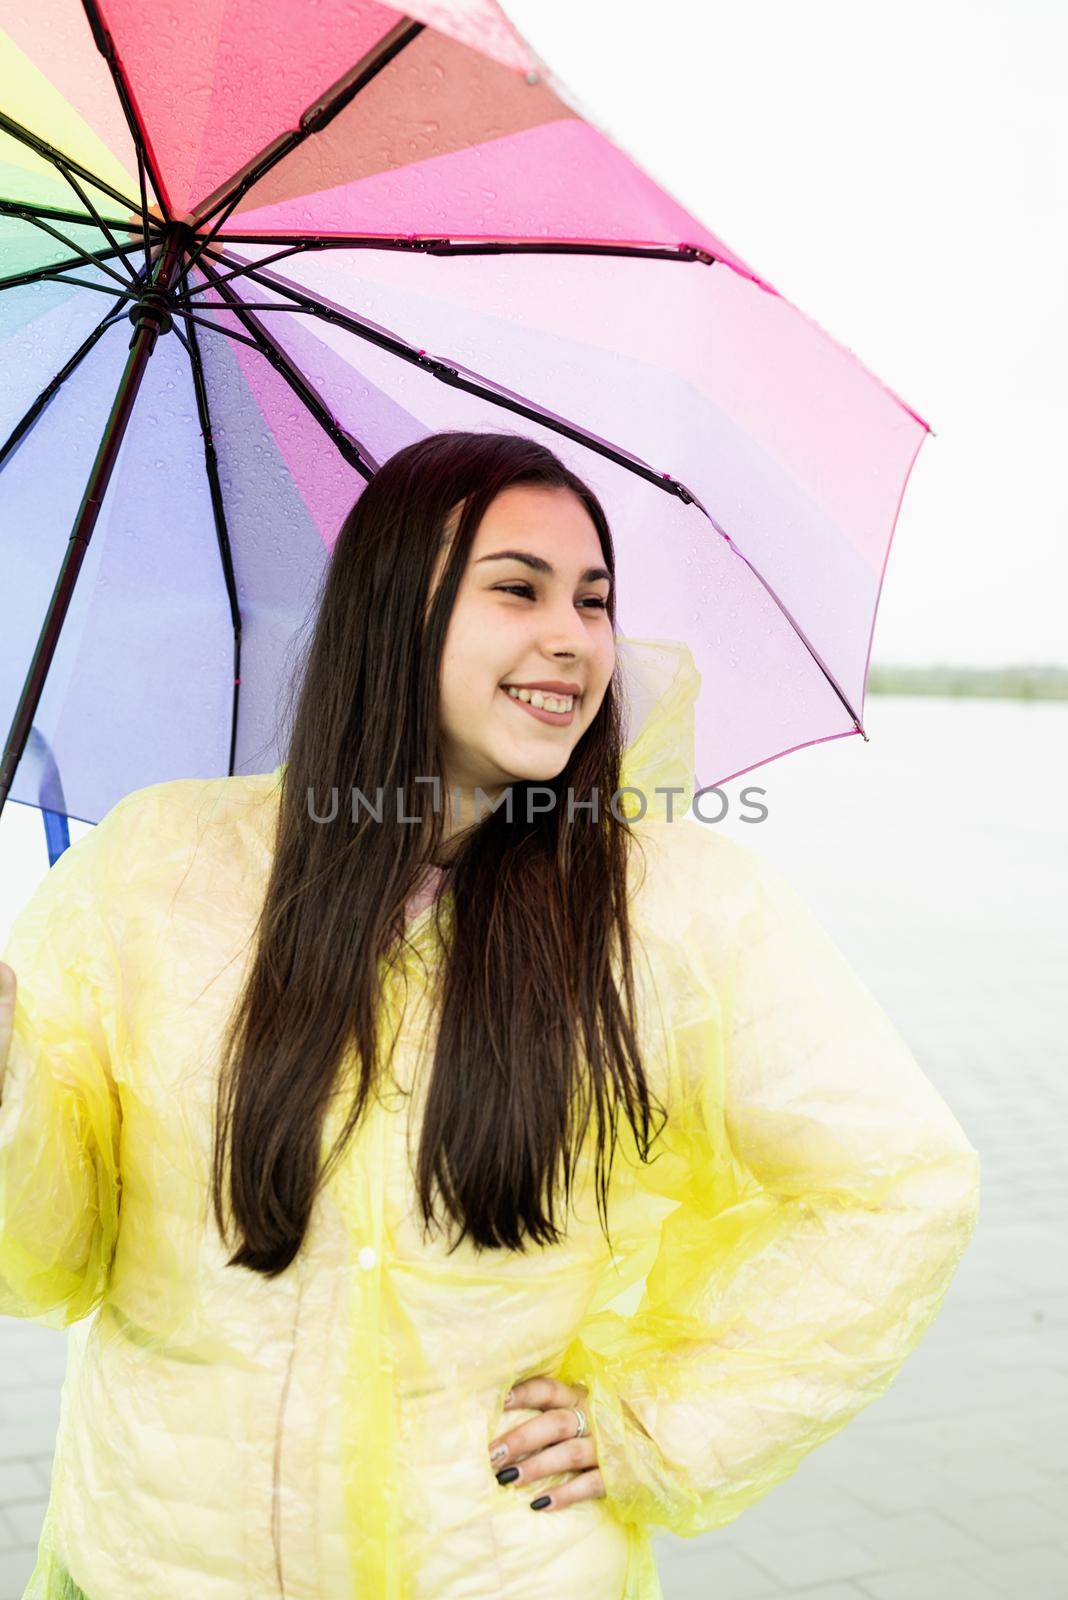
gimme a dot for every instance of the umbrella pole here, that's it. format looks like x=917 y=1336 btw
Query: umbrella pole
x=152 y=317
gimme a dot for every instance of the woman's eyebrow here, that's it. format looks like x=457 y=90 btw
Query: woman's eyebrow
x=539 y=564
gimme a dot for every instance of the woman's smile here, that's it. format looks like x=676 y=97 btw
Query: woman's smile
x=555 y=719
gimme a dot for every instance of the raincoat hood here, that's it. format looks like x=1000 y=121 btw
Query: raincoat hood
x=661 y=681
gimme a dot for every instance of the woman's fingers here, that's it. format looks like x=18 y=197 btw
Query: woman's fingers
x=570 y=1455
x=547 y=1444
x=587 y=1486
x=551 y=1427
x=541 y=1393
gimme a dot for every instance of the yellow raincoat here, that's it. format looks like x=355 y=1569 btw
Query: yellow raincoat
x=324 y=1435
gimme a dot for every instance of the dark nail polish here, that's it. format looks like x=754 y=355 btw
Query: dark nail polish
x=508 y=1475
x=540 y=1503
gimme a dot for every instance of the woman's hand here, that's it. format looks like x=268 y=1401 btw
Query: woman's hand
x=7 y=1015
x=547 y=1444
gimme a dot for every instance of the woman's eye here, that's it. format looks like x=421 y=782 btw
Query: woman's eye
x=527 y=592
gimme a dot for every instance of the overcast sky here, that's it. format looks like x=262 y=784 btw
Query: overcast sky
x=898 y=172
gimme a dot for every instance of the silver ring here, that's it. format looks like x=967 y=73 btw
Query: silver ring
x=582 y=1428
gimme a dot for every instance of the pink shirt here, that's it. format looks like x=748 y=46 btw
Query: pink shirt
x=425 y=892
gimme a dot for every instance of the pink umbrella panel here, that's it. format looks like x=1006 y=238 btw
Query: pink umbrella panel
x=335 y=230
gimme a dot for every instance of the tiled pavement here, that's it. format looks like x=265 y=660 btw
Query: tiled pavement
x=937 y=857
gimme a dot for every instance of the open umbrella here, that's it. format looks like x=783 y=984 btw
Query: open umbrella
x=251 y=248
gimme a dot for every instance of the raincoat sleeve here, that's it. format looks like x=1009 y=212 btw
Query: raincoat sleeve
x=825 y=1195
x=59 y=1108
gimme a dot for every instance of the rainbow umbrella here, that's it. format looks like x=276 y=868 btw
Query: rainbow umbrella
x=251 y=248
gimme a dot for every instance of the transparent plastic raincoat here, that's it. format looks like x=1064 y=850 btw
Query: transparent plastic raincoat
x=325 y=1434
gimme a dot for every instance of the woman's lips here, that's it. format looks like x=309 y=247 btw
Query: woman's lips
x=555 y=719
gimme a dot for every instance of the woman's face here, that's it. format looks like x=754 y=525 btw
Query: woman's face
x=533 y=616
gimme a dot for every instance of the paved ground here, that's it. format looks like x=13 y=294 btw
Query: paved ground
x=937 y=856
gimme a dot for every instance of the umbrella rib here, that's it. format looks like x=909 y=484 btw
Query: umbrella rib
x=239 y=272
x=54 y=384
x=99 y=221
x=430 y=246
x=98 y=288
x=86 y=255
x=218 y=508
x=461 y=378
x=24 y=208
x=350 y=448
x=434 y=245
x=228 y=333
x=143 y=193
x=312 y=120
x=254 y=305
x=53 y=270
x=569 y=247
x=106 y=45
x=58 y=159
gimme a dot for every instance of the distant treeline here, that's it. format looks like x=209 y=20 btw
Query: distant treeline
x=1009 y=683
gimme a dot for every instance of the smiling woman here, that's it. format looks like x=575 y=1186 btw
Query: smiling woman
x=406 y=1177
x=521 y=657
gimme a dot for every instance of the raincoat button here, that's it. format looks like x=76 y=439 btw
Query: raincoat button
x=367 y=1257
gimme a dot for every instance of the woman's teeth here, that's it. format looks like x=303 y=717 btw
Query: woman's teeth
x=544 y=702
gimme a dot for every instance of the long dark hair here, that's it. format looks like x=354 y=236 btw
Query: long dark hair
x=535 y=1005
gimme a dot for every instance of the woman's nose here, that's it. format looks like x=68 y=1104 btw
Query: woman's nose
x=563 y=632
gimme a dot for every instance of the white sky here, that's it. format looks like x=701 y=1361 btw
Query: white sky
x=898 y=172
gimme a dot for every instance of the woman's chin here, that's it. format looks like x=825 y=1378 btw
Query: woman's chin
x=537 y=758
x=534 y=769
x=503 y=762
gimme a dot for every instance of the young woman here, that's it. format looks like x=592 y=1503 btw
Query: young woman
x=411 y=1168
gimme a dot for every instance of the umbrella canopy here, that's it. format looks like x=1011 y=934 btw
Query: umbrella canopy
x=252 y=248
